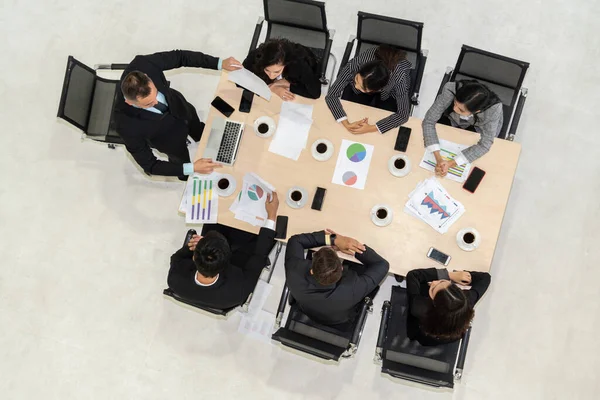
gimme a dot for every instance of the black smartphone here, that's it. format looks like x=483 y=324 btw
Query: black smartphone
x=402 y=139
x=474 y=179
x=317 y=203
x=189 y=236
x=222 y=106
x=246 y=102
x=438 y=256
x=281 y=227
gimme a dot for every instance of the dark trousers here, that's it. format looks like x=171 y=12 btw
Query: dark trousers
x=242 y=243
x=369 y=99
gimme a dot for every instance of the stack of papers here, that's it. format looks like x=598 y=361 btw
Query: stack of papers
x=291 y=136
x=448 y=150
x=200 y=200
x=249 y=204
x=431 y=203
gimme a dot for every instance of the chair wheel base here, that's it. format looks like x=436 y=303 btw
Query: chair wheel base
x=111 y=146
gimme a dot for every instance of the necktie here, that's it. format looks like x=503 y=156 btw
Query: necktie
x=161 y=107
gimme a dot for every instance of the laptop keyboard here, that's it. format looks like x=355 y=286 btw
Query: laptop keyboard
x=227 y=149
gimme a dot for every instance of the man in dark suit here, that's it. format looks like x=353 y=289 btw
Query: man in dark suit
x=149 y=114
x=325 y=290
x=220 y=268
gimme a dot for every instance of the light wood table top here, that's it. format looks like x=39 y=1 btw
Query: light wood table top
x=405 y=242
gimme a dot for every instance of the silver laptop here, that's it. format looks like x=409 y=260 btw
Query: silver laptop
x=224 y=141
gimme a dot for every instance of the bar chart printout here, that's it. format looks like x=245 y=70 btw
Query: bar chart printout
x=202 y=201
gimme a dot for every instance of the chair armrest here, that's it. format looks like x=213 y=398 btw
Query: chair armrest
x=360 y=320
x=257 y=29
x=281 y=307
x=385 y=315
x=110 y=66
x=271 y=266
x=415 y=96
x=462 y=355
x=325 y=60
x=445 y=79
x=517 y=117
x=347 y=52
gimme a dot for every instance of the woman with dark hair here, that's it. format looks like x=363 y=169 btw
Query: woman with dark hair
x=468 y=105
x=288 y=68
x=439 y=311
x=379 y=77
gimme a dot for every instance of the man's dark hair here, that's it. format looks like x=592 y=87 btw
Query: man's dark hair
x=450 y=314
x=212 y=254
x=136 y=84
x=326 y=266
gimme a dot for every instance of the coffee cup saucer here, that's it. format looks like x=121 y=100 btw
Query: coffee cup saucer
x=296 y=204
x=399 y=172
x=225 y=192
x=265 y=120
x=468 y=246
x=322 y=156
x=382 y=222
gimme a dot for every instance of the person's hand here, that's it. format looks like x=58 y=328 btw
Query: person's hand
x=194 y=242
x=442 y=168
x=231 y=64
x=281 y=82
x=282 y=92
x=349 y=245
x=460 y=277
x=364 y=128
x=271 y=205
x=205 y=166
x=353 y=125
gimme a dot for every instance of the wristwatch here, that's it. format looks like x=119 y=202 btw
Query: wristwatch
x=332 y=239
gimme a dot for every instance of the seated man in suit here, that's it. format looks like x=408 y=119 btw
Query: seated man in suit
x=325 y=290
x=149 y=114
x=220 y=269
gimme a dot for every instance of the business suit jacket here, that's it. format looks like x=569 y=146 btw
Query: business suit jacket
x=419 y=301
x=234 y=284
x=333 y=304
x=142 y=130
x=302 y=71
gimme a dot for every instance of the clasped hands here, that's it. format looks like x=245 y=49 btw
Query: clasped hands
x=346 y=244
x=359 y=127
x=442 y=165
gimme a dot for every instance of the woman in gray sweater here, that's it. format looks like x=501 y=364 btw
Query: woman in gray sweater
x=466 y=105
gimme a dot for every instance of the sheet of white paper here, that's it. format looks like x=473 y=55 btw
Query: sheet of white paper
x=259 y=326
x=261 y=293
x=202 y=204
x=292 y=134
x=248 y=80
x=303 y=109
x=249 y=204
x=448 y=150
x=352 y=166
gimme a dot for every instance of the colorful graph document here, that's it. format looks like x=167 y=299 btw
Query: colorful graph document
x=249 y=204
x=202 y=201
x=431 y=203
x=448 y=150
x=352 y=165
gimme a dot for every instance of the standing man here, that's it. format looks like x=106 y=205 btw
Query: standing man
x=149 y=114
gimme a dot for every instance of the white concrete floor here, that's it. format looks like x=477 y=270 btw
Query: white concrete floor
x=81 y=310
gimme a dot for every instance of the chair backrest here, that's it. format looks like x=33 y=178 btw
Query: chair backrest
x=217 y=311
x=87 y=102
x=503 y=75
x=374 y=30
x=300 y=21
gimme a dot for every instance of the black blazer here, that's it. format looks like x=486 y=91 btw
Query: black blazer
x=142 y=130
x=302 y=72
x=419 y=301
x=333 y=304
x=234 y=284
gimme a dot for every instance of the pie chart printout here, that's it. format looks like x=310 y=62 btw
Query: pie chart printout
x=349 y=178
x=255 y=192
x=356 y=152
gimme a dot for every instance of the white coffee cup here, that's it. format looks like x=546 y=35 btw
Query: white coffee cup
x=399 y=165
x=382 y=215
x=468 y=239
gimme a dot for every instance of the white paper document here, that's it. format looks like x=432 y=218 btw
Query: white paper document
x=259 y=297
x=259 y=326
x=448 y=150
x=432 y=204
x=353 y=163
x=249 y=204
x=202 y=201
x=294 y=125
x=248 y=80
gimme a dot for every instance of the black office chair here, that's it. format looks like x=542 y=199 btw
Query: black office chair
x=503 y=75
x=300 y=21
x=403 y=358
x=87 y=101
x=225 y=311
x=374 y=30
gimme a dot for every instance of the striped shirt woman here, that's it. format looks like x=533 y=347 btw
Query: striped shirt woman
x=379 y=77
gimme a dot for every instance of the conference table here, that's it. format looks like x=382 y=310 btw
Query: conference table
x=346 y=210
